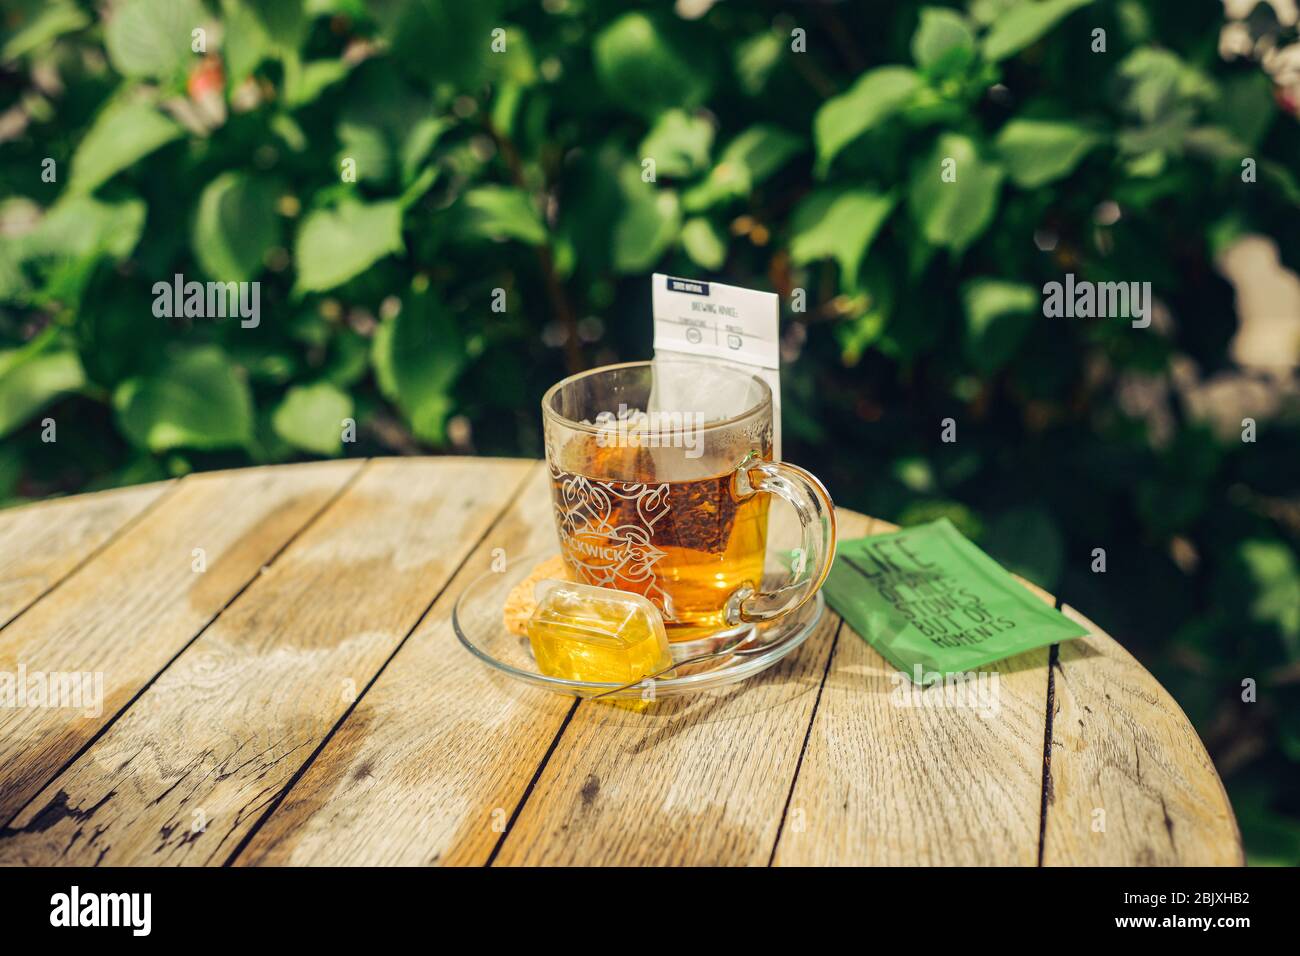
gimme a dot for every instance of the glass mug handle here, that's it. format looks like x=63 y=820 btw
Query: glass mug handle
x=811 y=563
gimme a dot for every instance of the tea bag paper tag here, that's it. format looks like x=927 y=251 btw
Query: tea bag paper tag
x=714 y=323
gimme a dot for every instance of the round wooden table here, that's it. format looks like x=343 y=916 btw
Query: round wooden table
x=280 y=683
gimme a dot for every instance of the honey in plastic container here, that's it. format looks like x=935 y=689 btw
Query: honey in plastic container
x=585 y=633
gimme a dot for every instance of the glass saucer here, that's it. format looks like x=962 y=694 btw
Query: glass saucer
x=477 y=619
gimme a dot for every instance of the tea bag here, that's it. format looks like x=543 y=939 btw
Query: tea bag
x=712 y=323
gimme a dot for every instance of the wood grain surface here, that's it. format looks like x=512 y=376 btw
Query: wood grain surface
x=127 y=614
x=412 y=778
x=247 y=703
x=41 y=544
x=897 y=776
x=1130 y=781
x=301 y=698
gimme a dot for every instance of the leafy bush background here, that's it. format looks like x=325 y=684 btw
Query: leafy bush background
x=812 y=171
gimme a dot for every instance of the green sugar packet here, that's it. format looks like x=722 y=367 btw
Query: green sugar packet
x=932 y=603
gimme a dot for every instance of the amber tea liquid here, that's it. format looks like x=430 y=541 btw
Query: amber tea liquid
x=686 y=545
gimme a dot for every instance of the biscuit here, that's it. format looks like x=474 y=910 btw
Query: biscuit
x=520 y=602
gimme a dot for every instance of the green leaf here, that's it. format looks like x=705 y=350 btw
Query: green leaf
x=289 y=132
x=82 y=226
x=944 y=43
x=442 y=41
x=1157 y=138
x=613 y=220
x=679 y=143
x=1037 y=152
x=498 y=213
x=347 y=8
x=1246 y=106
x=985 y=12
x=33 y=376
x=876 y=96
x=1021 y=25
x=1215 y=142
x=1157 y=82
x=515 y=65
x=756 y=58
x=335 y=245
x=418 y=355
x=245 y=42
x=750 y=158
x=1274 y=577
x=418 y=186
x=349 y=359
x=1281 y=179
x=368 y=147
x=14 y=286
x=382 y=359
x=641 y=71
x=151 y=38
x=866 y=313
x=65 y=247
x=998 y=314
x=254 y=30
x=305 y=82
x=235 y=227
x=705 y=243
x=195 y=401
x=506 y=103
x=838 y=223
x=761 y=150
x=647 y=224
x=953 y=214
x=388 y=128
x=36 y=23
x=125 y=131
x=310 y=417
x=284 y=21
x=855 y=335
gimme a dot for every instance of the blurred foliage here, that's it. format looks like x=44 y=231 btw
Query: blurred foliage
x=499 y=145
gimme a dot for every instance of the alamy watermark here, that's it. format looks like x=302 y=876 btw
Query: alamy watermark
x=208 y=300
x=1098 y=300
x=133 y=911
x=634 y=428
x=73 y=690
x=980 y=691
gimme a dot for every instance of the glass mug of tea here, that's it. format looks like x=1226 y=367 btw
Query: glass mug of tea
x=661 y=477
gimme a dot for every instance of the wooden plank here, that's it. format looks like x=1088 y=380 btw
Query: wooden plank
x=120 y=618
x=697 y=780
x=40 y=544
x=1130 y=782
x=887 y=782
x=439 y=752
x=190 y=768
